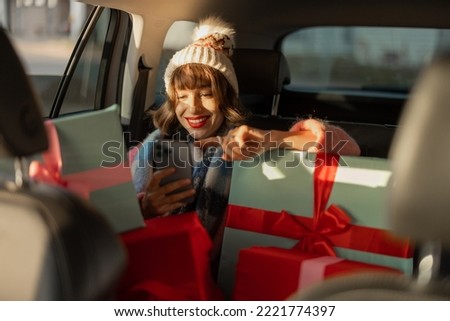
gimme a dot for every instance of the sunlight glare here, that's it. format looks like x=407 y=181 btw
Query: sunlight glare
x=270 y=171
x=363 y=176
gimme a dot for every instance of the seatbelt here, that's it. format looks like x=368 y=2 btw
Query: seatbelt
x=138 y=127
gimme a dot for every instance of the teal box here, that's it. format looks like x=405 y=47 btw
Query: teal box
x=283 y=180
x=94 y=164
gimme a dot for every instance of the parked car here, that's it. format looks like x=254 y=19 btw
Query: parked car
x=351 y=64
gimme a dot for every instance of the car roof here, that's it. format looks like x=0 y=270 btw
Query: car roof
x=263 y=21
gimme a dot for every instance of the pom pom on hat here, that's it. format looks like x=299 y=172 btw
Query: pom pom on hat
x=215 y=33
x=213 y=46
x=213 y=25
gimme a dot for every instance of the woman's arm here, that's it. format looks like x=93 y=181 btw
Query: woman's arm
x=309 y=135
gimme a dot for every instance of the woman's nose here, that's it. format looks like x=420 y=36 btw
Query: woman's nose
x=194 y=103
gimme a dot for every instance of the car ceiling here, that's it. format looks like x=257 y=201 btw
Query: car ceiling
x=264 y=14
x=266 y=26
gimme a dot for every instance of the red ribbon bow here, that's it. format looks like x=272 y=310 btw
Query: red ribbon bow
x=334 y=220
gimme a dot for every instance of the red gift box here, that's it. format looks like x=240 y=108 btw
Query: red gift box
x=169 y=259
x=271 y=273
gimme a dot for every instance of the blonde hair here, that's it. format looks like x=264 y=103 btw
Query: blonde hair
x=191 y=76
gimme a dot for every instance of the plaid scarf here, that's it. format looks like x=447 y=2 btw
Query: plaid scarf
x=211 y=177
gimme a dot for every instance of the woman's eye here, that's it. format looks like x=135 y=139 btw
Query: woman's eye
x=206 y=94
x=181 y=97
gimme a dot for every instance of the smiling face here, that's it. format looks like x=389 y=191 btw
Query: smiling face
x=198 y=99
x=198 y=111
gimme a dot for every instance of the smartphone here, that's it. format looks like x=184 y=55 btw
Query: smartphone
x=171 y=153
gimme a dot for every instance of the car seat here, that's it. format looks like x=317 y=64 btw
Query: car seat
x=419 y=205
x=53 y=245
x=261 y=74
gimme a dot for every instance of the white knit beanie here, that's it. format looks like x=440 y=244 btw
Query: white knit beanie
x=213 y=46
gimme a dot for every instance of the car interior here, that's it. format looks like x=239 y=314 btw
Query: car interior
x=55 y=246
x=261 y=92
x=115 y=75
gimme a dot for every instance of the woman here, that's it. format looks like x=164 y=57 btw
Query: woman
x=202 y=102
x=203 y=109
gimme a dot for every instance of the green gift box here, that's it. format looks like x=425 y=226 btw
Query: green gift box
x=87 y=155
x=283 y=181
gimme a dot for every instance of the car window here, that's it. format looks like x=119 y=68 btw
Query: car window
x=44 y=33
x=361 y=58
x=82 y=90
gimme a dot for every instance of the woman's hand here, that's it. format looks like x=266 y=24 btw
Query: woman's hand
x=328 y=138
x=156 y=201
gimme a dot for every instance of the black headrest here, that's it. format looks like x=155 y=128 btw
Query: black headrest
x=260 y=71
x=22 y=132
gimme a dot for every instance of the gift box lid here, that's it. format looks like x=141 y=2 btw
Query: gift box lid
x=283 y=180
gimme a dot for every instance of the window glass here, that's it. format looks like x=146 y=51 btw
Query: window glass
x=83 y=85
x=44 y=33
x=367 y=58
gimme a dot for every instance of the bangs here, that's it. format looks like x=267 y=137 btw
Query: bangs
x=192 y=76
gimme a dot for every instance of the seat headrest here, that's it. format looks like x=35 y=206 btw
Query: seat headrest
x=22 y=131
x=420 y=200
x=260 y=71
